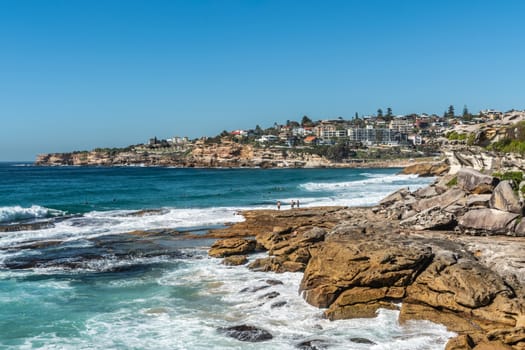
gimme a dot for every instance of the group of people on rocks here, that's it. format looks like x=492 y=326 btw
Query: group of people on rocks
x=293 y=204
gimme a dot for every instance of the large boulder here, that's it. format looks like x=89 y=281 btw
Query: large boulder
x=504 y=198
x=487 y=222
x=231 y=246
x=361 y=276
x=456 y=287
x=478 y=200
x=470 y=180
x=443 y=200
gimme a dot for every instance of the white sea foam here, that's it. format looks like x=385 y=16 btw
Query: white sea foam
x=17 y=213
x=187 y=304
x=375 y=180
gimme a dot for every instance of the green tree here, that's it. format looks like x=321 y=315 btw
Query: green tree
x=379 y=112
x=306 y=121
x=258 y=130
x=389 y=112
x=356 y=116
x=466 y=115
x=450 y=112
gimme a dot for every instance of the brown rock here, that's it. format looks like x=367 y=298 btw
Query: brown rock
x=235 y=260
x=461 y=342
x=231 y=246
x=339 y=266
x=493 y=345
x=426 y=169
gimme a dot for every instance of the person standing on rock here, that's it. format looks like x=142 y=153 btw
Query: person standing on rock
x=278 y=205
x=297 y=202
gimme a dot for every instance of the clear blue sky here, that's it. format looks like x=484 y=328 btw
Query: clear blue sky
x=82 y=74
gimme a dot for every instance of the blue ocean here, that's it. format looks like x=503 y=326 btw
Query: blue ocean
x=92 y=258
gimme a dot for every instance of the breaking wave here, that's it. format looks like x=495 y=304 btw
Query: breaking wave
x=18 y=213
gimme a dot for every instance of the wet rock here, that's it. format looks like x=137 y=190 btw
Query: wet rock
x=231 y=246
x=362 y=341
x=103 y=253
x=273 y=282
x=246 y=333
x=148 y=212
x=33 y=226
x=235 y=260
x=487 y=222
x=314 y=344
x=270 y=295
x=278 y=304
x=504 y=198
x=253 y=289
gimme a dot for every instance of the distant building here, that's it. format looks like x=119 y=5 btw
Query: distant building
x=267 y=139
x=403 y=125
x=375 y=136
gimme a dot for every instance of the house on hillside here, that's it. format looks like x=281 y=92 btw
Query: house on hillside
x=311 y=140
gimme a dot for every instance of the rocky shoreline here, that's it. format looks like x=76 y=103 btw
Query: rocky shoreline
x=229 y=155
x=449 y=253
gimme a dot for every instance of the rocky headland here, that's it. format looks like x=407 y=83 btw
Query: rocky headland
x=450 y=253
x=225 y=154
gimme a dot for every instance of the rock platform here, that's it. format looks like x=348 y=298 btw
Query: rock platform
x=416 y=249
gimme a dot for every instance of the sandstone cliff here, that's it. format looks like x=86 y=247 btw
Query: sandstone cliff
x=202 y=155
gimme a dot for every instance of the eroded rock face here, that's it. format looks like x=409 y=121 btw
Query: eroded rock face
x=359 y=277
x=504 y=198
x=231 y=246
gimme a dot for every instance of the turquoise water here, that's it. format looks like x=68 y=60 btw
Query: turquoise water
x=83 y=282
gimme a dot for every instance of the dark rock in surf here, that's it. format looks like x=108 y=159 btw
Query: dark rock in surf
x=246 y=333
x=362 y=341
x=278 y=304
x=314 y=344
x=273 y=282
x=270 y=295
x=253 y=289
